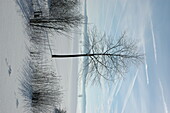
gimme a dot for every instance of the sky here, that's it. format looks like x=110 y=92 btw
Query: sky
x=145 y=88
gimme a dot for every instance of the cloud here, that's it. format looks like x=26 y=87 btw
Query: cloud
x=146 y=70
x=111 y=97
x=114 y=11
x=108 y=8
x=119 y=86
x=153 y=39
x=163 y=97
x=129 y=92
x=120 y=18
x=146 y=65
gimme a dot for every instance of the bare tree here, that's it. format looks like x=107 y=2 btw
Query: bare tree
x=57 y=15
x=39 y=84
x=107 y=59
x=63 y=15
x=39 y=87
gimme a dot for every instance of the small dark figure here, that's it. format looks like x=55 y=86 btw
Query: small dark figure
x=17 y=103
x=9 y=67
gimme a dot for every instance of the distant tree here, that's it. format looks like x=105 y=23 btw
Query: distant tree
x=39 y=84
x=108 y=59
x=63 y=15
x=39 y=88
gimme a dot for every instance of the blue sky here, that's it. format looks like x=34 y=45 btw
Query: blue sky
x=145 y=87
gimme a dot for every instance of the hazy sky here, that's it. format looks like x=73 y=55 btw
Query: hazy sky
x=145 y=88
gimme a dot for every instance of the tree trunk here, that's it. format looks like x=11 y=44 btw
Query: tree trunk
x=78 y=55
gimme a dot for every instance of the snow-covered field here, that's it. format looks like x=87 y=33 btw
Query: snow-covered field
x=12 y=54
x=13 y=39
x=67 y=69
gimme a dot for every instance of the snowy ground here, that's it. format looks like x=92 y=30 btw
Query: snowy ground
x=12 y=54
x=67 y=69
x=13 y=39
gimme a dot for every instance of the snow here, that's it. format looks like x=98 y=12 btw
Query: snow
x=13 y=40
x=12 y=51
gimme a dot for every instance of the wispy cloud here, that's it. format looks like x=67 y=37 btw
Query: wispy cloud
x=120 y=18
x=109 y=97
x=146 y=71
x=119 y=86
x=163 y=97
x=113 y=16
x=153 y=39
x=108 y=8
x=146 y=65
x=129 y=91
x=112 y=96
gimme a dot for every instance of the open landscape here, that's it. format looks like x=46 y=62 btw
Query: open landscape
x=84 y=56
